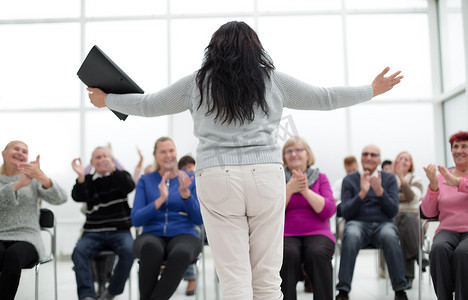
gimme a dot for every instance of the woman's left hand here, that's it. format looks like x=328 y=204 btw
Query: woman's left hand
x=450 y=179
x=97 y=97
x=382 y=84
x=184 y=182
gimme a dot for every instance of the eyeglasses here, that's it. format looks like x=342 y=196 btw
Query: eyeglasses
x=291 y=151
x=373 y=155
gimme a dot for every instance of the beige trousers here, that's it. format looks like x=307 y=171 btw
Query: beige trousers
x=243 y=212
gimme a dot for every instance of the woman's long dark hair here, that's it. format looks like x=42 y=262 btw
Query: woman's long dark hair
x=232 y=75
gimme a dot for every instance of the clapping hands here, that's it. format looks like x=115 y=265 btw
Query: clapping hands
x=431 y=173
x=32 y=171
x=298 y=182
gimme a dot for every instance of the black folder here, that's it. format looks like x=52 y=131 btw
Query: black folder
x=99 y=71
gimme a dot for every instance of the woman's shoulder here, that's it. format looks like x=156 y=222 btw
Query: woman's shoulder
x=323 y=176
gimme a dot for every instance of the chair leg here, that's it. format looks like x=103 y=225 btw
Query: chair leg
x=386 y=271
x=36 y=283
x=420 y=253
x=55 y=278
x=335 y=265
x=197 y=282
x=130 y=285
x=217 y=289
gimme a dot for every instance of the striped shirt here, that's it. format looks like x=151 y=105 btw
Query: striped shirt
x=107 y=207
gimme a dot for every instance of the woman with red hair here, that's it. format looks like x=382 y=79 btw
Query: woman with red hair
x=447 y=197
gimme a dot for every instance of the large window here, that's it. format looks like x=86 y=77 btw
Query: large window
x=453 y=26
x=452 y=44
x=325 y=43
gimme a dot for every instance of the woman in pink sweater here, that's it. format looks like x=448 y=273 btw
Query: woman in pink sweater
x=447 y=197
x=307 y=236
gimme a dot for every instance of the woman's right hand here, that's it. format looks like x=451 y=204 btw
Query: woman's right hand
x=431 y=173
x=97 y=97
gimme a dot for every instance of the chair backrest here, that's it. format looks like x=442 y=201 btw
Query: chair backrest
x=47 y=223
x=339 y=214
x=338 y=220
x=423 y=217
x=46 y=218
x=200 y=230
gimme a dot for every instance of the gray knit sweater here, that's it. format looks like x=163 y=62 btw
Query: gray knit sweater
x=19 y=211
x=251 y=143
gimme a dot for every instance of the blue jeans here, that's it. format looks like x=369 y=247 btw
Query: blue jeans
x=190 y=273
x=120 y=241
x=358 y=235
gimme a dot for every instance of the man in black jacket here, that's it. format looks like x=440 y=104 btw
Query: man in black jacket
x=107 y=223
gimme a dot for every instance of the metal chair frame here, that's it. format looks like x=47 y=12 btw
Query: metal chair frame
x=48 y=224
x=422 y=235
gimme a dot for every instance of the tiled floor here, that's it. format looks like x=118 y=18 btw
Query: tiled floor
x=366 y=285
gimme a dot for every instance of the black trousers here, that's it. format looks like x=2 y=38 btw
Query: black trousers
x=449 y=265
x=407 y=224
x=14 y=256
x=316 y=253
x=177 y=252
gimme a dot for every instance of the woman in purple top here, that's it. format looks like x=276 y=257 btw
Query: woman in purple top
x=308 y=239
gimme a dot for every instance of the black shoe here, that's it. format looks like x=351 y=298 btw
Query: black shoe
x=400 y=295
x=425 y=263
x=342 y=295
x=409 y=283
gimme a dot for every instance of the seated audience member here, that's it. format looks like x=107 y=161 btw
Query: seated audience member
x=187 y=163
x=107 y=223
x=387 y=166
x=369 y=205
x=447 y=198
x=307 y=236
x=22 y=185
x=350 y=165
x=104 y=265
x=166 y=206
x=410 y=193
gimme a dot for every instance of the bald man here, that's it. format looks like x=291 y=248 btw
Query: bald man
x=369 y=204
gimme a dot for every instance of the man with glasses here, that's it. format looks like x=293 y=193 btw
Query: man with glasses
x=369 y=204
